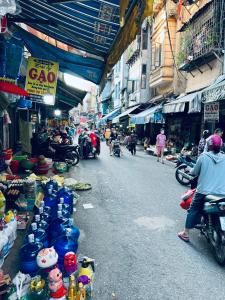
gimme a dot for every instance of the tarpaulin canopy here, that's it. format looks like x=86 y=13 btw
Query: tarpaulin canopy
x=12 y=88
x=90 y=26
x=88 y=68
x=124 y=114
x=214 y=92
x=110 y=116
x=178 y=105
x=68 y=95
x=146 y=116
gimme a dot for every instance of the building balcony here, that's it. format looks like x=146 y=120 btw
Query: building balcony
x=161 y=76
x=201 y=38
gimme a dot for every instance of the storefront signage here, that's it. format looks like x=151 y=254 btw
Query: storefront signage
x=211 y=111
x=41 y=78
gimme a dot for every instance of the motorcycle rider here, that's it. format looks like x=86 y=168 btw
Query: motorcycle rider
x=112 y=138
x=211 y=181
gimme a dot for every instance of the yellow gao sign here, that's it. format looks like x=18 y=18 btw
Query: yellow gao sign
x=41 y=76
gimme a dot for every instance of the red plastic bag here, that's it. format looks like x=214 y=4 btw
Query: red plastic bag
x=187 y=199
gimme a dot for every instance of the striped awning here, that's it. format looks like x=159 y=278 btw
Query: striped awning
x=89 y=26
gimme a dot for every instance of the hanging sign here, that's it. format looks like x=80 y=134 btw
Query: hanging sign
x=41 y=79
x=211 y=111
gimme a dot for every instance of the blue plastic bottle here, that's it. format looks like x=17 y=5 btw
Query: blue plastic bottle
x=52 y=184
x=44 y=215
x=57 y=227
x=41 y=223
x=46 y=209
x=28 y=254
x=65 y=212
x=40 y=235
x=50 y=200
x=65 y=206
x=67 y=197
x=65 y=244
x=75 y=232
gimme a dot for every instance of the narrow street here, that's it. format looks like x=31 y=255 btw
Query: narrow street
x=131 y=233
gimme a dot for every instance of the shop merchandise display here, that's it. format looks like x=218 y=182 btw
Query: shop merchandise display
x=49 y=267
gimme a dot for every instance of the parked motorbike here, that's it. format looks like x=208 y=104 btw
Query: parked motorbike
x=212 y=224
x=58 y=152
x=184 y=164
x=69 y=153
x=116 y=148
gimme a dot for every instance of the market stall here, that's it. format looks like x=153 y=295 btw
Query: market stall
x=40 y=240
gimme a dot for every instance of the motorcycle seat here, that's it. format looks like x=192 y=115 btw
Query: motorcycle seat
x=214 y=198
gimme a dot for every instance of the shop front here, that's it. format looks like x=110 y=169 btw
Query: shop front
x=149 y=122
x=183 y=120
x=213 y=99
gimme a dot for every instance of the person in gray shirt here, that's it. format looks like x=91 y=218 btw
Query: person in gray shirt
x=210 y=169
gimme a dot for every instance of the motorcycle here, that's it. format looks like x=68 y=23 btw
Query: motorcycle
x=116 y=148
x=58 y=152
x=68 y=153
x=89 y=145
x=184 y=164
x=212 y=224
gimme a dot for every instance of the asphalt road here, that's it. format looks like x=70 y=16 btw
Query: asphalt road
x=132 y=233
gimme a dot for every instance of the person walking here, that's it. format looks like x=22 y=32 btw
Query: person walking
x=160 y=145
x=202 y=142
x=133 y=142
x=107 y=135
x=209 y=168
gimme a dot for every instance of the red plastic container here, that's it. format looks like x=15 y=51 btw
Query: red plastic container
x=34 y=160
x=42 y=169
x=14 y=166
x=8 y=153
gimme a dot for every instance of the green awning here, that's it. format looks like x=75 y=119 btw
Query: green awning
x=68 y=95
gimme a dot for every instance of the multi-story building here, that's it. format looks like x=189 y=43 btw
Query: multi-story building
x=199 y=58
x=138 y=57
x=119 y=82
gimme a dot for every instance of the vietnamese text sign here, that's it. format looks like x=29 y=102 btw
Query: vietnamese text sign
x=41 y=77
x=211 y=111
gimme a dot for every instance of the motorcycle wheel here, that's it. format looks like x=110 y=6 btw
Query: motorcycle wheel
x=73 y=157
x=219 y=252
x=182 y=180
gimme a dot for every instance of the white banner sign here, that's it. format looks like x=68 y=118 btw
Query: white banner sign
x=212 y=111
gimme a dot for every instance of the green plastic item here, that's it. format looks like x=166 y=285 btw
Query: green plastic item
x=26 y=164
x=61 y=167
x=20 y=157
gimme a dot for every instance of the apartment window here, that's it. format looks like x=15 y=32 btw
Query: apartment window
x=156 y=56
x=117 y=91
x=145 y=38
x=138 y=41
x=144 y=76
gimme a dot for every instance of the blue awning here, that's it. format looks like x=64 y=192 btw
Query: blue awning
x=86 y=25
x=86 y=67
x=147 y=116
x=110 y=116
x=92 y=27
